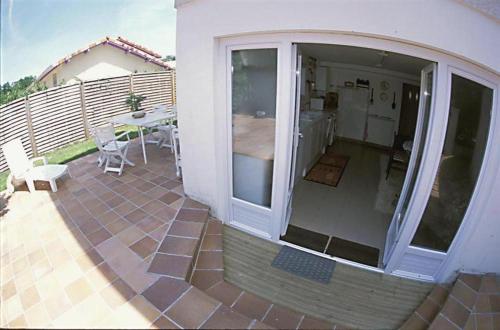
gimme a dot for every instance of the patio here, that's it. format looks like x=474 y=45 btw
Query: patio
x=110 y=251
x=78 y=257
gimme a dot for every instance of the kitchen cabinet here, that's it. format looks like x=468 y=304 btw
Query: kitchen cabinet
x=312 y=145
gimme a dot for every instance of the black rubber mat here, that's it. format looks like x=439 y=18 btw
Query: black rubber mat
x=305 y=238
x=304 y=264
x=353 y=251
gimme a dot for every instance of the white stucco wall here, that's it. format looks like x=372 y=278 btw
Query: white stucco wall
x=446 y=26
x=100 y=62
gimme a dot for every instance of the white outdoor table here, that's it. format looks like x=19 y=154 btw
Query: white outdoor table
x=149 y=118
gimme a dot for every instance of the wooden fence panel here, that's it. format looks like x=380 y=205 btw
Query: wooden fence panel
x=57 y=116
x=105 y=98
x=157 y=88
x=13 y=125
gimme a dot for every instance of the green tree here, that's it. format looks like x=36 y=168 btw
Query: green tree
x=21 y=88
x=168 y=58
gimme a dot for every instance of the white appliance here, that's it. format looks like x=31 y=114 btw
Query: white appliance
x=352 y=113
x=382 y=119
x=317 y=103
x=380 y=130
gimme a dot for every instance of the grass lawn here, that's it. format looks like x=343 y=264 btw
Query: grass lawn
x=71 y=151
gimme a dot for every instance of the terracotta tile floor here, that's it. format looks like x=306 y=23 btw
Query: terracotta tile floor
x=80 y=257
x=110 y=251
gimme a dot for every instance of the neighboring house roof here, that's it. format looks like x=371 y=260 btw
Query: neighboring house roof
x=121 y=43
x=171 y=64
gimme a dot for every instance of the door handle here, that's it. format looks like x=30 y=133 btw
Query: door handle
x=300 y=135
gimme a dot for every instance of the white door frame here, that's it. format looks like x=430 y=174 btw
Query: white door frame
x=296 y=72
x=247 y=216
x=394 y=230
x=432 y=152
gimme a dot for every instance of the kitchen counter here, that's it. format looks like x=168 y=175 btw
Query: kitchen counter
x=313 y=126
x=254 y=137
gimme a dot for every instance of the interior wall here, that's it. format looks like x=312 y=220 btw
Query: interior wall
x=339 y=73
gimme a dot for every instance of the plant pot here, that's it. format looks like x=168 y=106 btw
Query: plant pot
x=138 y=114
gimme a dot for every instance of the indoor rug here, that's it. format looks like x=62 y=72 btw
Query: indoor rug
x=328 y=170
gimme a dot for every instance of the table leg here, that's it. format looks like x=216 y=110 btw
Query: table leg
x=143 y=145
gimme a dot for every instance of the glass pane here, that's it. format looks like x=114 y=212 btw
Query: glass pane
x=461 y=159
x=254 y=81
x=427 y=94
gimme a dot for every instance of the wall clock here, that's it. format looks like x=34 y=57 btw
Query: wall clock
x=384 y=85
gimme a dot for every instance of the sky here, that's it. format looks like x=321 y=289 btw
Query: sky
x=37 y=33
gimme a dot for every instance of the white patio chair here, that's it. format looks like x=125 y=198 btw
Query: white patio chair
x=150 y=138
x=111 y=149
x=177 y=151
x=23 y=168
x=166 y=136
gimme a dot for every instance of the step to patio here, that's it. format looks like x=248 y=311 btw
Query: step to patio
x=473 y=302
x=176 y=254
x=208 y=276
x=192 y=240
x=354 y=298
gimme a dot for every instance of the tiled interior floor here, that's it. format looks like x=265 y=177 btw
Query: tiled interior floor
x=360 y=208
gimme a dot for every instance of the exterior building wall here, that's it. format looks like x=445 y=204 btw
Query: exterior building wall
x=103 y=61
x=446 y=26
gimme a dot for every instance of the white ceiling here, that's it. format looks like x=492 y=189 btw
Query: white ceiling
x=365 y=56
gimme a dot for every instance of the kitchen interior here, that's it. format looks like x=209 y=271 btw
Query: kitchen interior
x=358 y=110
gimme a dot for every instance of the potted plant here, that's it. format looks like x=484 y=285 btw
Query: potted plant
x=134 y=101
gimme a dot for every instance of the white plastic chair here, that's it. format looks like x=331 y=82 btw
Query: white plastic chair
x=166 y=136
x=21 y=167
x=150 y=138
x=177 y=150
x=165 y=131
x=111 y=149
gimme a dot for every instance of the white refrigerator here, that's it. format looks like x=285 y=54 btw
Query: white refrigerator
x=352 y=113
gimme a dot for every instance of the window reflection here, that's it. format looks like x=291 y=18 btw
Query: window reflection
x=461 y=159
x=254 y=81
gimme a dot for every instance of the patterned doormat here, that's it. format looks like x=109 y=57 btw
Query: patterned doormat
x=328 y=170
x=304 y=264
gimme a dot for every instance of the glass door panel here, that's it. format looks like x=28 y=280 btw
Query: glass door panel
x=425 y=104
x=419 y=149
x=253 y=100
x=461 y=160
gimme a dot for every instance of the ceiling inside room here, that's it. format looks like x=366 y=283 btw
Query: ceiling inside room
x=365 y=56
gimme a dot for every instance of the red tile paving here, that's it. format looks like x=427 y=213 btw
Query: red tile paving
x=83 y=260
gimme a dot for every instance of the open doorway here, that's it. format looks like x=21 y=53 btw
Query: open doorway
x=356 y=122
